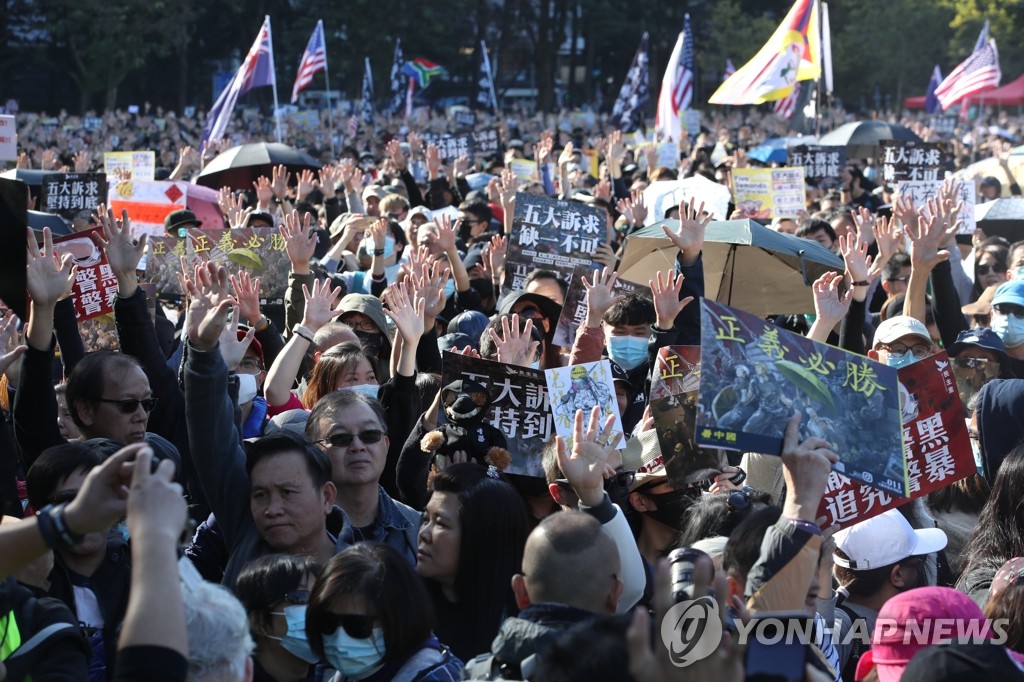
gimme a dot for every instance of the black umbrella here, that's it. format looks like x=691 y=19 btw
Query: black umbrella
x=239 y=167
x=1002 y=218
x=862 y=138
x=30 y=176
x=59 y=227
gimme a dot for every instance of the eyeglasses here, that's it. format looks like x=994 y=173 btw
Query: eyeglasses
x=357 y=626
x=130 y=405
x=1009 y=309
x=297 y=597
x=468 y=221
x=905 y=278
x=63 y=498
x=343 y=440
x=363 y=326
x=395 y=216
x=921 y=350
x=251 y=364
x=986 y=269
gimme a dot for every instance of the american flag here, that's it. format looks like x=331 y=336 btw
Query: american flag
x=633 y=96
x=398 y=80
x=313 y=59
x=257 y=70
x=676 y=86
x=729 y=70
x=975 y=74
x=786 y=106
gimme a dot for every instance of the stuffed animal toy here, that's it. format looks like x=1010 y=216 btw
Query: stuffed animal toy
x=465 y=404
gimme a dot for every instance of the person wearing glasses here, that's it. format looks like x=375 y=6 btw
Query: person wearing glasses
x=1008 y=322
x=274 y=590
x=370 y=618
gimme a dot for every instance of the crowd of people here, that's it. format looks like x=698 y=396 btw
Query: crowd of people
x=240 y=495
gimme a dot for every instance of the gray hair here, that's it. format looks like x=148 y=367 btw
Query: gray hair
x=219 y=643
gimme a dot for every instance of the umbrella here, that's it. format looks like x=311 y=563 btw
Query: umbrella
x=662 y=195
x=1001 y=218
x=59 y=227
x=30 y=176
x=993 y=167
x=862 y=138
x=239 y=167
x=203 y=202
x=746 y=265
x=776 y=149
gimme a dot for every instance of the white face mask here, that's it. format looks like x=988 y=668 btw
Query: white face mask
x=247 y=388
x=369 y=390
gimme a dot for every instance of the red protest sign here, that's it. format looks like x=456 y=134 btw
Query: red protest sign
x=935 y=443
x=95 y=285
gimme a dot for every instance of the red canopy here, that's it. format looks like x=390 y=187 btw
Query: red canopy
x=1011 y=94
x=914 y=102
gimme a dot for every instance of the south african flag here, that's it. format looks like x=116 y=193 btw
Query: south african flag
x=423 y=71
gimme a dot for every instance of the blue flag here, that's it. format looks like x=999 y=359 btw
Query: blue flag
x=931 y=102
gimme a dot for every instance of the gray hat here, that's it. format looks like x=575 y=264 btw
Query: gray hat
x=370 y=306
x=293 y=421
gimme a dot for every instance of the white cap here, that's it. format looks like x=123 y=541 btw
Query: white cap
x=884 y=540
x=899 y=326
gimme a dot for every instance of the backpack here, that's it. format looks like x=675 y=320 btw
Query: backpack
x=858 y=647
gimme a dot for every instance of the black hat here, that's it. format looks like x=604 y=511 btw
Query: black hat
x=979 y=338
x=176 y=219
x=260 y=215
x=548 y=308
x=956 y=662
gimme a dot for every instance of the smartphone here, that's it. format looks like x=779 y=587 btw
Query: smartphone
x=778 y=646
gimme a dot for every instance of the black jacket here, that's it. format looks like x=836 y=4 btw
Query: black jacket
x=61 y=657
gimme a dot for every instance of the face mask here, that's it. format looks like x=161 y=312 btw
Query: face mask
x=1018 y=273
x=367 y=247
x=628 y=352
x=368 y=390
x=294 y=641
x=370 y=341
x=246 y=388
x=897 y=360
x=535 y=364
x=671 y=507
x=1009 y=328
x=483 y=287
x=355 y=658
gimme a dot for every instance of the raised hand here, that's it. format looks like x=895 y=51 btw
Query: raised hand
x=927 y=240
x=247 y=293
x=905 y=211
x=586 y=465
x=47 y=279
x=394 y=150
x=567 y=156
x=460 y=166
x=507 y=189
x=264 y=192
x=865 y=222
x=667 y=305
x=328 y=179
x=279 y=181
x=605 y=255
x=208 y=305
x=48 y=161
x=514 y=347
x=82 y=161
x=495 y=257
x=603 y=190
x=123 y=252
x=600 y=295
x=639 y=207
x=830 y=302
x=445 y=236
x=320 y=308
x=405 y=308
x=858 y=263
x=306 y=184
x=10 y=349
x=232 y=349
x=889 y=237
x=299 y=241
x=692 y=225
x=805 y=465
x=433 y=161
x=542 y=150
x=429 y=284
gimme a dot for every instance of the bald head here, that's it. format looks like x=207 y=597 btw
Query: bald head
x=569 y=559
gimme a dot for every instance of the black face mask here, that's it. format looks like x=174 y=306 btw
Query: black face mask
x=671 y=507
x=465 y=231
x=483 y=287
x=370 y=341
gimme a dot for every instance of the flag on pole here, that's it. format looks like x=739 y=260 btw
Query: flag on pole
x=313 y=59
x=257 y=70
x=729 y=70
x=826 y=48
x=423 y=70
x=982 y=38
x=977 y=73
x=786 y=106
x=485 y=96
x=676 y=86
x=367 y=106
x=931 y=102
x=792 y=54
x=410 y=95
x=397 y=80
x=635 y=91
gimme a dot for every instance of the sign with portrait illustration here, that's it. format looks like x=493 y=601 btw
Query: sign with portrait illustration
x=583 y=387
x=574 y=309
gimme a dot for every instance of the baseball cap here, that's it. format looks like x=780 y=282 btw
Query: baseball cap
x=642 y=454
x=884 y=540
x=293 y=421
x=260 y=215
x=980 y=338
x=176 y=219
x=374 y=191
x=1011 y=292
x=619 y=374
x=255 y=346
x=899 y=326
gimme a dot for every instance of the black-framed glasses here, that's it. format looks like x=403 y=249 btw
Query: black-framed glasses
x=130 y=405
x=343 y=440
x=905 y=278
x=358 y=626
x=920 y=350
x=297 y=597
x=1009 y=309
x=995 y=267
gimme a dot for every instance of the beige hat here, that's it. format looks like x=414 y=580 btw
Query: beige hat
x=642 y=454
x=899 y=326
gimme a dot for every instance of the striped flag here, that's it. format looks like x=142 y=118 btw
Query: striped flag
x=786 y=106
x=423 y=70
x=977 y=73
x=792 y=54
x=313 y=59
x=257 y=70
x=397 y=80
x=485 y=96
x=729 y=70
x=931 y=104
x=676 y=86
x=633 y=95
x=367 y=106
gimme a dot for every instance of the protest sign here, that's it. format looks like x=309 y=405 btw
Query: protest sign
x=68 y=194
x=130 y=165
x=820 y=162
x=147 y=203
x=258 y=250
x=582 y=387
x=943 y=125
x=936 y=446
x=8 y=139
x=551 y=234
x=465 y=118
x=673 y=401
x=574 y=309
x=13 y=233
x=476 y=143
x=519 y=406
x=163 y=263
x=765 y=193
x=755 y=376
x=912 y=160
x=95 y=286
x=920 y=191
x=524 y=169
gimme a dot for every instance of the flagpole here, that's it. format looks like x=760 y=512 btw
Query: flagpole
x=273 y=82
x=327 y=84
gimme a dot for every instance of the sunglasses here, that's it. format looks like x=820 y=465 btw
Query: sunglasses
x=130 y=405
x=1009 y=309
x=986 y=269
x=357 y=626
x=343 y=440
x=297 y=597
